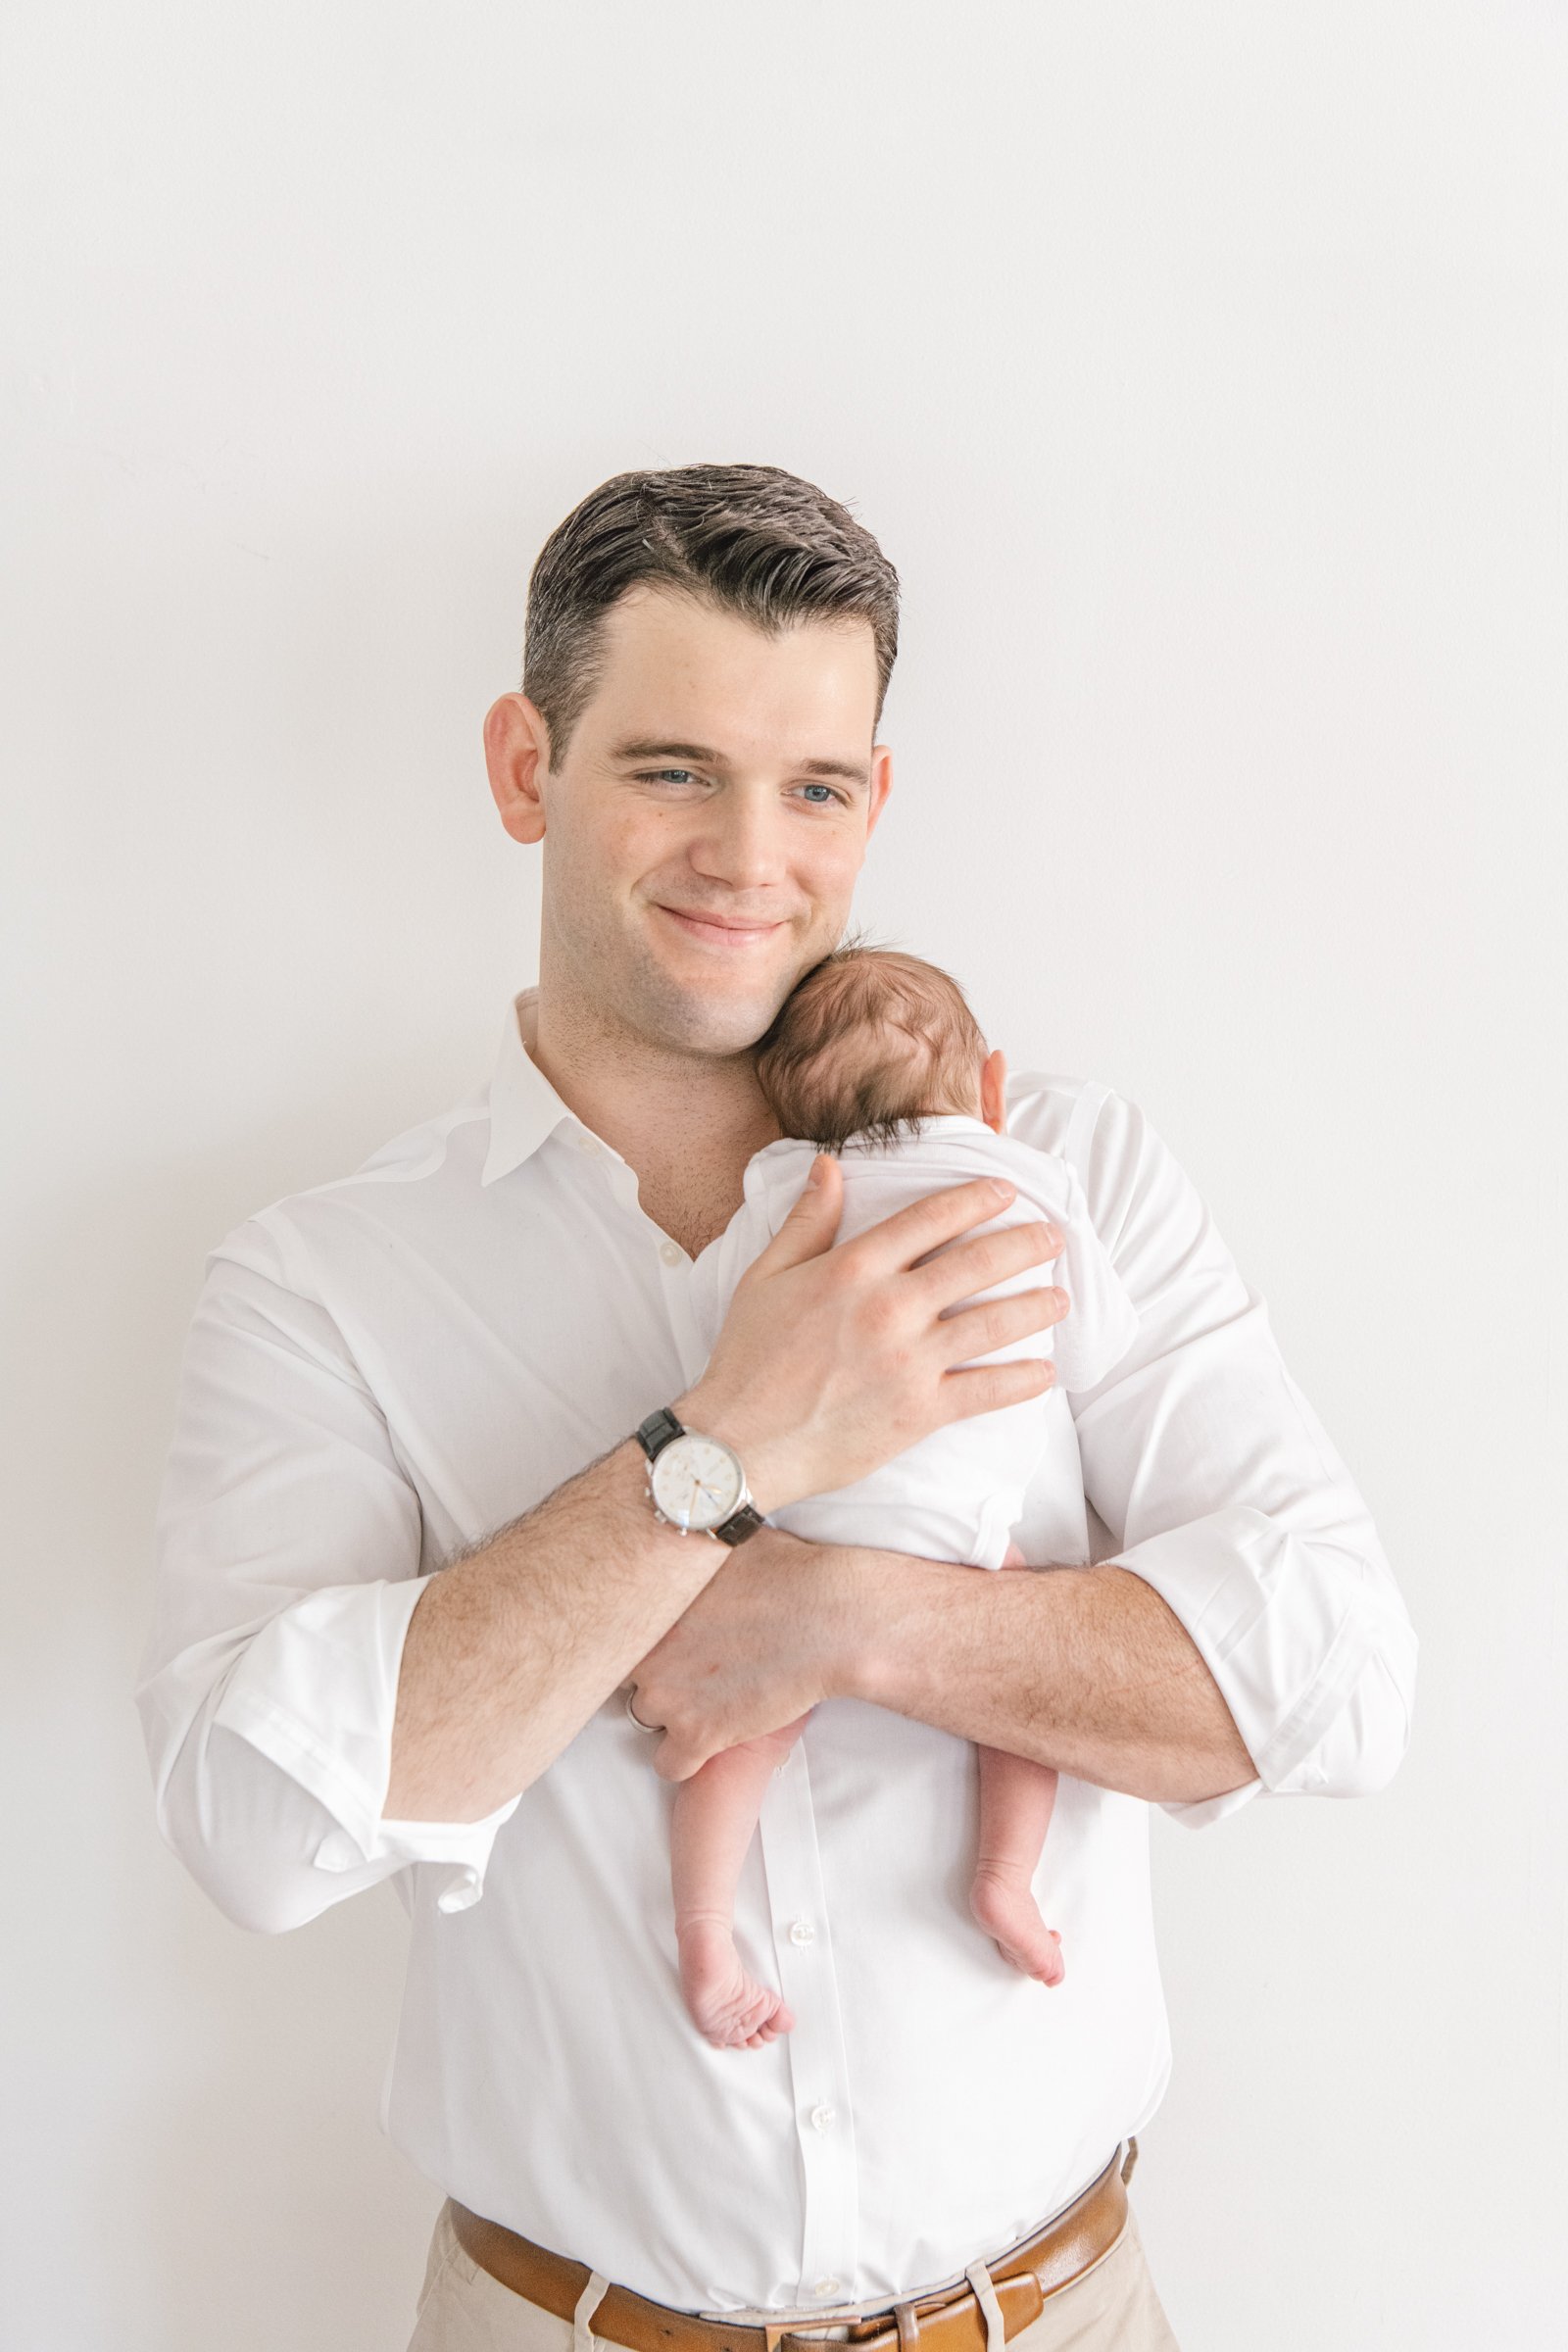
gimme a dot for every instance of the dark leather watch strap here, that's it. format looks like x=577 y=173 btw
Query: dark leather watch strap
x=741 y=1523
x=654 y=1433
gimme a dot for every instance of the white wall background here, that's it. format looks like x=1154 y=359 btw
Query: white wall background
x=1203 y=371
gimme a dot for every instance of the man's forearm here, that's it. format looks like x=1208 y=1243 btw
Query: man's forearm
x=511 y=1647
x=1087 y=1669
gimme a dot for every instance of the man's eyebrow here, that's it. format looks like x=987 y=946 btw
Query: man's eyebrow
x=640 y=747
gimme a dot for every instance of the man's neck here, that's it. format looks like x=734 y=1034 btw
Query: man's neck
x=686 y=1123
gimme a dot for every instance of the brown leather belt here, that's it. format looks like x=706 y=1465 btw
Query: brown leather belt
x=949 y=2320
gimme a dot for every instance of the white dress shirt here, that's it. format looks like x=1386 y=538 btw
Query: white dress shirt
x=959 y=1493
x=388 y=1368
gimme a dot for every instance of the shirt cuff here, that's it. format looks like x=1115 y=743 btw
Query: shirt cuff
x=1276 y=1619
x=315 y=1690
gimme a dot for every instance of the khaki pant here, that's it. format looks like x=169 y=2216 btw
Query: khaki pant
x=1112 y=2308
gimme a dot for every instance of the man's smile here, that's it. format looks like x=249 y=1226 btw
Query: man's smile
x=726 y=933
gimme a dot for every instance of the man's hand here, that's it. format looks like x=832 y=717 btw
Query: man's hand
x=764 y=1640
x=833 y=1360
x=1084 y=1669
x=772 y=1633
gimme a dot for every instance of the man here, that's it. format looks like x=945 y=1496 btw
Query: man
x=417 y=1597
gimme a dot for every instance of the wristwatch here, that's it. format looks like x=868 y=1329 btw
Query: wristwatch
x=697 y=1483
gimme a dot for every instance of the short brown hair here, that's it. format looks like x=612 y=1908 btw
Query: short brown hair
x=864 y=1042
x=748 y=539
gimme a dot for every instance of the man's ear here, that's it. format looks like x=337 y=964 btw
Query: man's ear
x=994 y=1092
x=516 y=754
x=881 y=784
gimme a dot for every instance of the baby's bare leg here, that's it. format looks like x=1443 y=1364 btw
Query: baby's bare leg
x=1016 y=1801
x=716 y=1816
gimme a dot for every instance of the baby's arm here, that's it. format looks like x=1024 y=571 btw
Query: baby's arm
x=715 y=1818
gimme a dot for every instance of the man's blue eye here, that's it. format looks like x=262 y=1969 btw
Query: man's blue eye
x=827 y=788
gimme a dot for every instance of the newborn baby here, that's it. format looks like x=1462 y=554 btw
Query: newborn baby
x=876 y=1056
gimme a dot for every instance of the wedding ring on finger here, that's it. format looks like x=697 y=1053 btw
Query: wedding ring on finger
x=655 y=1728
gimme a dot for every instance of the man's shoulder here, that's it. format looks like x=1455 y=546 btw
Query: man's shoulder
x=1104 y=1135
x=1054 y=1111
x=1136 y=1185
x=395 y=1190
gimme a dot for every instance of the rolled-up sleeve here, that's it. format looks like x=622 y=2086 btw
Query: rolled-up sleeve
x=287 y=1556
x=1220 y=1487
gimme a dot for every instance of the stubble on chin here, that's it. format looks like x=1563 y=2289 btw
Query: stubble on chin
x=713 y=1021
x=633 y=993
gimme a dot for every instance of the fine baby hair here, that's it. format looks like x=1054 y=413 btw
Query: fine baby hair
x=867 y=1042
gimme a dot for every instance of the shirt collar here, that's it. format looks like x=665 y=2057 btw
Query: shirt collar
x=524 y=1107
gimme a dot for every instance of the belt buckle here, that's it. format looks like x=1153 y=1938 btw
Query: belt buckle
x=787 y=2331
x=869 y=2329
x=904 y=2319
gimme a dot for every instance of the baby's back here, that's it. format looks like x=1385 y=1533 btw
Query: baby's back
x=955 y=1493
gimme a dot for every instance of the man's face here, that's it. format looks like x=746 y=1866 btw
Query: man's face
x=705 y=831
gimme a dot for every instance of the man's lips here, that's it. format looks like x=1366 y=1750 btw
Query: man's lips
x=716 y=931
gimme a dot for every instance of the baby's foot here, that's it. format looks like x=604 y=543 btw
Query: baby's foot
x=728 y=2007
x=1007 y=1911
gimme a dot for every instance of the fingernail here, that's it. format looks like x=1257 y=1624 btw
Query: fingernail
x=815 y=1176
x=1003 y=1191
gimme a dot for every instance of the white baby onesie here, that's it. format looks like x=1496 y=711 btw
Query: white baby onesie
x=958 y=1493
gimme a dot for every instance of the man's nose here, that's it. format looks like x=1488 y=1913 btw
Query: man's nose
x=739 y=839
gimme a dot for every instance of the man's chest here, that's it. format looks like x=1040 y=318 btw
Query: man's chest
x=508 y=1353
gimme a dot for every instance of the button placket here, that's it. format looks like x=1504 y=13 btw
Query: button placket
x=677 y=1271
x=824 y=2126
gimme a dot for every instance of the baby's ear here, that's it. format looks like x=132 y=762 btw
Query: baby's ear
x=994 y=1092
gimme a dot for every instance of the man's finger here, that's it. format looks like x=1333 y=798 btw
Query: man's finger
x=812 y=1223
x=973 y=1331
x=893 y=1245
x=986 y=1387
x=673 y=1760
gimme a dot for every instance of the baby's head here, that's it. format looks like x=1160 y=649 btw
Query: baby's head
x=868 y=1043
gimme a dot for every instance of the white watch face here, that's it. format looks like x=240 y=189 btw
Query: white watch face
x=697 y=1482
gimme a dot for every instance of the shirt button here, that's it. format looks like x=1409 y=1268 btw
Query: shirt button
x=825 y=2287
x=587 y=1142
x=823 y=2118
x=802 y=1932
x=672 y=1252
